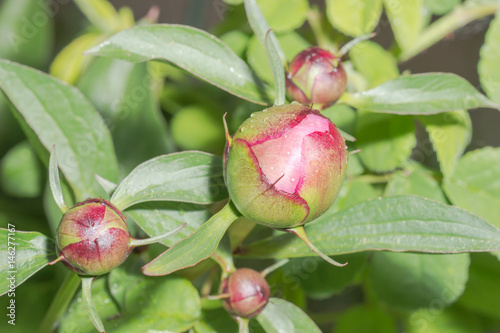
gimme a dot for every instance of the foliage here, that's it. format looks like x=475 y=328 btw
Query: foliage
x=134 y=110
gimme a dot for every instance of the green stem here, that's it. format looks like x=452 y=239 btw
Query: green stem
x=273 y=267
x=314 y=19
x=223 y=255
x=458 y=18
x=89 y=305
x=60 y=302
x=242 y=325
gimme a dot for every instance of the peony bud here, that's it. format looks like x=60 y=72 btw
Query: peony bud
x=285 y=165
x=315 y=76
x=93 y=237
x=247 y=292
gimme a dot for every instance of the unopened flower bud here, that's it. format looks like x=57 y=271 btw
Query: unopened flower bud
x=93 y=237
x=247 y=292
x=285 y=165
x=315 y=76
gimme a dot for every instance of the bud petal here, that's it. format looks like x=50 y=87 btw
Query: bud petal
x=93 y=237
x=315 y=76
x=248 y=292
x=285 y=165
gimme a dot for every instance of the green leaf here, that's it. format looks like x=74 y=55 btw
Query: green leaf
x=170 y=303
x=215 y=320
x=197 y=247
x=354 y=17
x=23 y=254
x=401 y=223
x=375 y=320
x=475 y=186
x=70 y=61
x=321 y=280
x=417 y=181
x=450 y=134
x=193 y=177
x=363 y=55
x=26 y=32
x=384 y=135
x=440 y=7
x=53 y=113
x=193 y=50
x=55 y=183
x=407 y=19
x=284 y=15
x=421 y=94
x=447 y=320
x=282 y=316
x=237 y=40
x=122 y=92
x=352 y=193
x=411 y=281
x=156 y=304
x=292 y=43
x=20 y=172
x=233 y=2
x=199 y=127
x=488 y=66
x=342 y=115
x=482 y=295
x=100 y=13
x=157 y=218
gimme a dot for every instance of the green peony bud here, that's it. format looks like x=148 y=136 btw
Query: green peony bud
x=315 y=76
x=93 y=237
x=285 y=165
x=247 y=292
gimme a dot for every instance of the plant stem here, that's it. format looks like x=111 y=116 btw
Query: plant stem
x=273 y=267
x=458 y=18
x=60 y=302
x=314 y=19
x=242 y=325
x=89 y=305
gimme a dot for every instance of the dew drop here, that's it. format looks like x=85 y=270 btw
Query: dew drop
x=292 y=180
x=288 y=153
x=242 y=129
x=265 y=110
x=231 y=69
x=115 y=285
x=106 y=300
x=252 y=115
x=286 y=136
x=272 y=168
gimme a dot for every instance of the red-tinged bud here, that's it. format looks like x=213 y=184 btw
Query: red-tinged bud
x=93 y=237
x=285 y=165
x=315 y=76
x=247 y=292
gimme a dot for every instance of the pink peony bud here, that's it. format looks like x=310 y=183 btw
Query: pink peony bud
x=315 y=76
x=285 y=165
x=247 y=291
x=93 y=237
